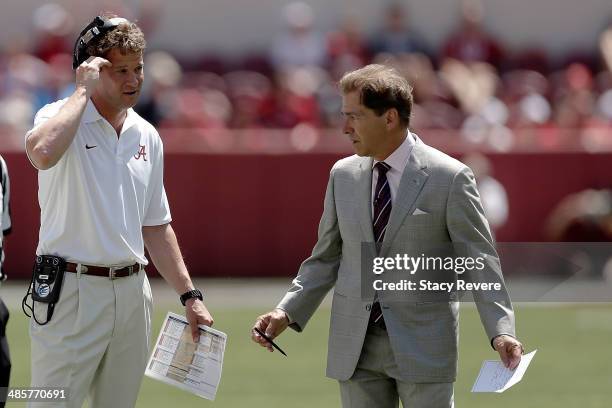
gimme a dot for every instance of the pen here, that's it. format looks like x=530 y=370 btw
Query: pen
x=269 y=340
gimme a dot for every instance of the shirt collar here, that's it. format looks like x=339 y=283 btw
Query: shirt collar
x=399 y=158
x=91 y=115
x=130 y=119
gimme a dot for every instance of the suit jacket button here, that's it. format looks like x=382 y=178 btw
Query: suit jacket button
x=368 y=307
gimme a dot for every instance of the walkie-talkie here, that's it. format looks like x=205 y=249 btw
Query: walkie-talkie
x=46 y=284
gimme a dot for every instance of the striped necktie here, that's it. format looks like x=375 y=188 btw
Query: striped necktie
x=382 y=202
x=382 y=210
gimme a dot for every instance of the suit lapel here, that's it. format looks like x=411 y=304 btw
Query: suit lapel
x=364 y=192
x=413 y=179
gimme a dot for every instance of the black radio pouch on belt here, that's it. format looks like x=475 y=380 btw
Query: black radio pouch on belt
x=46 y=284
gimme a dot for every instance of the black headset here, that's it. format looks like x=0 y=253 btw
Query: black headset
x=98 y=27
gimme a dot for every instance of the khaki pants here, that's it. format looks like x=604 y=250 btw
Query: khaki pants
x=97 y=341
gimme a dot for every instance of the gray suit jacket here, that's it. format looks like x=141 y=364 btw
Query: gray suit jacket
x=423 y=335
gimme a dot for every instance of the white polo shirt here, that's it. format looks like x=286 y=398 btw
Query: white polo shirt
x=96 y=199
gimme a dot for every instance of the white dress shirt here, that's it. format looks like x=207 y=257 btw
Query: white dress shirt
x=397 y=160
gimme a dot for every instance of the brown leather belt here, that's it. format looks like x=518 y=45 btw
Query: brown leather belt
x=110 y=272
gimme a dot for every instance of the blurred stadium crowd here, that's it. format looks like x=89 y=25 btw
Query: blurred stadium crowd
x=471 y=82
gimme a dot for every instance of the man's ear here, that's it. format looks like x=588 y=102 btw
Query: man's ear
x=391 y=118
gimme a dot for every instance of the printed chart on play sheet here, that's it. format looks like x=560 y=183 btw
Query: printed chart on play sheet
x=178 y=361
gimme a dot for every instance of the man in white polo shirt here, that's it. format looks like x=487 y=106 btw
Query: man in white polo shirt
x=102 y=201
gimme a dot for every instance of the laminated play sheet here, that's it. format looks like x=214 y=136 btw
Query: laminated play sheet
x=178 y=361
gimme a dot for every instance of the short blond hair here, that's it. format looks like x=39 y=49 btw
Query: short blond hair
x=380 y=88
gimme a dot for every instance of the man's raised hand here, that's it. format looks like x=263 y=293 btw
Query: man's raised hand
x=88 y=73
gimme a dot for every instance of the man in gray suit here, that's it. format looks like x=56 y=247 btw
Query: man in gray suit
x=395 y=190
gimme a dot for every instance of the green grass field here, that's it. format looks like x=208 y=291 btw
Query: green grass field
x=573 y=367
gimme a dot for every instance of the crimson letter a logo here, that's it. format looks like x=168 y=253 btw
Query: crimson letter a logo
x=141 y=153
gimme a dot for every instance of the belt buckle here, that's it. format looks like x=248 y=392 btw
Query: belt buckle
x=112 y=274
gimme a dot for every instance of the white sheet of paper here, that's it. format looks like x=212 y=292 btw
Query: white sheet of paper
x=494 y=377
x=178 y=361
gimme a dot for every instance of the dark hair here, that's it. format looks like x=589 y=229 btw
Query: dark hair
x=381 y=88
x=127 y=38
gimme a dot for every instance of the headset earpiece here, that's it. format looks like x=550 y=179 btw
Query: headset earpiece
x=99 y=26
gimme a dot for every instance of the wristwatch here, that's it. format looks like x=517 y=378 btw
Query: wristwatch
x=195 y=293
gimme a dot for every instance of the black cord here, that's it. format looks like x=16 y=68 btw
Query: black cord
x=24 y=304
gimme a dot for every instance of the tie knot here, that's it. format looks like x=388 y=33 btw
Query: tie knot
x=382 y=167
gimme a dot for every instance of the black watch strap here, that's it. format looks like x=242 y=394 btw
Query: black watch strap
x=195 y=293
